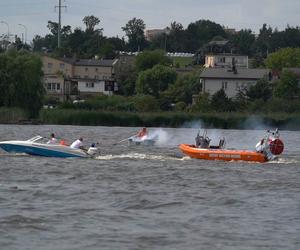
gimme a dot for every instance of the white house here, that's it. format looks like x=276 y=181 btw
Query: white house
x=214 y=79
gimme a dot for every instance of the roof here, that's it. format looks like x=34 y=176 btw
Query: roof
x=220 y=43
x=89 y=62
x=227 y=73
x=224 y=54
x=296 y=71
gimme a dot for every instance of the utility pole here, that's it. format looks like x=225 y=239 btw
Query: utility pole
x=25 y=32
x=59 y=21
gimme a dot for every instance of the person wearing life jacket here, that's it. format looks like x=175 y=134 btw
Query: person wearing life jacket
x=52 y=140
x=142 y=134
x=78 y=144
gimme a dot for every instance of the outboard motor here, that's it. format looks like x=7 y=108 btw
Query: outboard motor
x=93 y=150
x=271 y=145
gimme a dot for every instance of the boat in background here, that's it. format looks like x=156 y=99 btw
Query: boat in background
x=267 y=149
x=143 y=141
x=36 y=146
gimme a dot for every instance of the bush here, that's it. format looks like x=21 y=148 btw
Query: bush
x=105 y=103
x=180 y=106
x=145 y=103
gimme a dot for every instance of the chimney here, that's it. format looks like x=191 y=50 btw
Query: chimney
x=234 y=70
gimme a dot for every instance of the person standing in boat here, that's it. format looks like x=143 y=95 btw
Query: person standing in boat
x=52 y=140
x=77 y=144
x=142 y=134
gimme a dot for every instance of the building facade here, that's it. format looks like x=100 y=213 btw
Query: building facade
x=225 y=61
x=66 y=78
x=232 y=81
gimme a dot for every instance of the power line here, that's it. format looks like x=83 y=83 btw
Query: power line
x=59 y=20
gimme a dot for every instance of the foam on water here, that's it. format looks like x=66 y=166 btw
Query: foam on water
x=138 y=156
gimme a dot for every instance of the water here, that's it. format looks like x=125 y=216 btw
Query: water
x=148 y=197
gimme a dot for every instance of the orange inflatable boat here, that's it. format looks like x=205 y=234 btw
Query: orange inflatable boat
x=267 y=149
x=222 y=154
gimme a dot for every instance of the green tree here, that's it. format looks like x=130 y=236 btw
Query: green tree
x=176 y=39
x=107 y=51
x=21 y=81
x=145 y=103
x=202 y=103
x=284 y=58
x=134 y=30
x=148 y=59
x=91 y=22
x=220 y=102
x=244 y=40
x=184 y=88
x=201 y=32
x=261 y=90
x=287 y=87
x=154 y=81
x=263 y=41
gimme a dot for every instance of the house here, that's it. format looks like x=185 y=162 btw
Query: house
x=66 y=78
x=225 y=60
x=232 y=80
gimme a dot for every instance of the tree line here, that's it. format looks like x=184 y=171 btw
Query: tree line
x=91 y=41
x=153 y=81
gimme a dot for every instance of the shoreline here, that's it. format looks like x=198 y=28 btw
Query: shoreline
x=282 y=121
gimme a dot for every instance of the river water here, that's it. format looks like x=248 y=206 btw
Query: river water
x=148 y=197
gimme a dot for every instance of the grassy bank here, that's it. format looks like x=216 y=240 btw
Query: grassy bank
x=159 y=119
x=12 y=115
x=171 y=119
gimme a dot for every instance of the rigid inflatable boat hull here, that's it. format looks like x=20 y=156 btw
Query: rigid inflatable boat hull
x=222 y=154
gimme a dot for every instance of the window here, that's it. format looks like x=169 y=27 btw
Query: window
x=61 y=65
x=50 y=65
x=109 y=86
x=58 y=86
x=224 y=85
x=53 y=85
x=49 y=86
x=222 y=59
x=89 y=85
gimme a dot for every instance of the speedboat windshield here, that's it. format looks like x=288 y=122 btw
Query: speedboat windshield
x=36 y=138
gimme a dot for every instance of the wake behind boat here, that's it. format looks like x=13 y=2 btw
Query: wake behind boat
x=36 y=146
x=267 y=149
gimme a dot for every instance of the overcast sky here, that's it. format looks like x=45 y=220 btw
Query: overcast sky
x=114 y=14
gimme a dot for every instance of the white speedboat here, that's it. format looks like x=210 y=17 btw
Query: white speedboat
x=36 y=146
x=144 y=141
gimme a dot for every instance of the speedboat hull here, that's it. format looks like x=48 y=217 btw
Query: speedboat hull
x=146 y=142
x=222 y=154
x=40 y=149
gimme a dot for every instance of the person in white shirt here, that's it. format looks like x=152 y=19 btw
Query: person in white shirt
x=77 y=144
x=52 y=140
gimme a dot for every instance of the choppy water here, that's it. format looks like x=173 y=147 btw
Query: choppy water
x=148 y=197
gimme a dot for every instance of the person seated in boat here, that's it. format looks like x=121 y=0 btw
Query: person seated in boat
x=52 y=140
x=78 y=144
x=142 y=134
x=201 y=141
x=220 y=146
